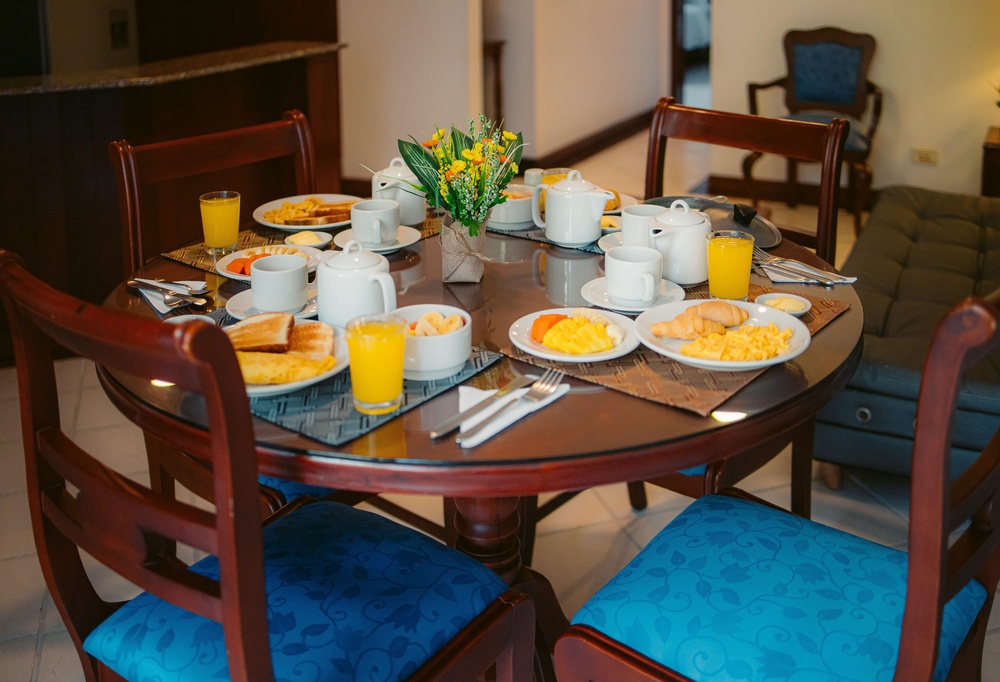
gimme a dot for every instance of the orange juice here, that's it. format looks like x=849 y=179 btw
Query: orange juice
x=730 y=255
x=551 y=176
x=220 y=220
x=375 y=344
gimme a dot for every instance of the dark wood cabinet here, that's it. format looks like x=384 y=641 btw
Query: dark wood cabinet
x=991 y=163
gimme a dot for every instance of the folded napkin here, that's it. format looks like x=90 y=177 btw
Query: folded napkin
x=469 y=396
x=155 y=298
x=807 y=276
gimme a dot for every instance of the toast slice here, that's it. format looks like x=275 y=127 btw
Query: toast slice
x=265 y=332
x=315 y=220
x=313 y=340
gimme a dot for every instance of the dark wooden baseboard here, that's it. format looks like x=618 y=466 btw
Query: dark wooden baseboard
x=564 y=157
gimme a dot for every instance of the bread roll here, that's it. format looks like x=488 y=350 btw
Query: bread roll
x=687 y=327
x=726 y=314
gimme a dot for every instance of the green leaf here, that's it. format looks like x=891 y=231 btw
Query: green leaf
x=422 y=164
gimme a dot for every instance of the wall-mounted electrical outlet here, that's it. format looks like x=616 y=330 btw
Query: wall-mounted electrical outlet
x=924 y=155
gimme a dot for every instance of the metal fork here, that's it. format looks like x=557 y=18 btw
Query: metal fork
x=543 y=387
x=762 y=257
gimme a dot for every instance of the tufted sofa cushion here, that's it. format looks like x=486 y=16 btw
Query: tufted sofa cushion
x=920 y=252
x=351 y=596
x=734 y=590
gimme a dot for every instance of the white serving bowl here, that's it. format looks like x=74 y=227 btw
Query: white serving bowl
x=435 y=357
x=514 y=210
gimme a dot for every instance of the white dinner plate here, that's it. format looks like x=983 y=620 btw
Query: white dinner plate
x=596 y=291
x=759 y=315
x=339 y=352
x=625 y=202
x=404 y=237
x=220 y=265
x=258 y=213
x=520 y=336
x=241 y=307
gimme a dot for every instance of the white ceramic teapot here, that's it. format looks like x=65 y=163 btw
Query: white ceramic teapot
x=573 y=210
x=353 y=282
x=679 y=234
x=394 y=183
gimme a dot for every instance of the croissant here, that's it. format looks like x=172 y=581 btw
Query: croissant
x=687 y=326
x=726 y=314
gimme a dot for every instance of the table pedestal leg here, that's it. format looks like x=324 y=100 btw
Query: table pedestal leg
x=487 y=530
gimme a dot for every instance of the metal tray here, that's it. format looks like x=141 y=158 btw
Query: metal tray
x=765 y=234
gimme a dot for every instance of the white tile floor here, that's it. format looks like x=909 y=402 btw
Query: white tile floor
x=33 y=642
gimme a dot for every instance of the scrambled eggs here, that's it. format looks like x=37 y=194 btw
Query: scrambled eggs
x=747 y=343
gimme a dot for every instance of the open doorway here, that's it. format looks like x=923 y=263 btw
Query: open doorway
x=691 y=51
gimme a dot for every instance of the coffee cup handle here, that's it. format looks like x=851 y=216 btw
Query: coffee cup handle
x=536 y=214
x=537 y=268
x=388 y=287
x=377 y=229
x=648 y=287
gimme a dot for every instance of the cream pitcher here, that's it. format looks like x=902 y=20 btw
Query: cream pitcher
x=573 y=210
x=397 y=183
x=679 y=234
x=353 y=282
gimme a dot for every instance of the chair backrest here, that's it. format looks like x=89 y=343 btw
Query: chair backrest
x=939 y=564
x=159 y=206
x=78 y=503
x=796 y=139
x=828 y=70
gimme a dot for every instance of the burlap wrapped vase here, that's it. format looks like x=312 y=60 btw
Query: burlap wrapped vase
x=462 y=255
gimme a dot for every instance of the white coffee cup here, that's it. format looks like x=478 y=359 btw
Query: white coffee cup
x=375 y=222
x=632 y=274
x=278 y=284
x=636 y=223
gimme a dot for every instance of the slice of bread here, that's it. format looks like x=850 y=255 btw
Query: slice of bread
x=265 y=332
x=314 y=220
x=313 y=340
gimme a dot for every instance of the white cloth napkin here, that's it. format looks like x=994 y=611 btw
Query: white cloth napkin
x=155 y=298
x=469 y=396
x=783 y=278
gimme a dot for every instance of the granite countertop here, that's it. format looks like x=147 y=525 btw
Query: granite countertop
x=157 y=73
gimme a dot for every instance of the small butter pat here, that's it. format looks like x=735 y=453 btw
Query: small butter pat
x=787 y=305
x=305 y=238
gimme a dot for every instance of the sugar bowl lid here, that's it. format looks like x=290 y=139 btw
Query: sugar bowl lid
x=354 y=257
x=679 y=214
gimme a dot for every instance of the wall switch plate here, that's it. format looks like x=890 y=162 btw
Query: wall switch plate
x=924 y=155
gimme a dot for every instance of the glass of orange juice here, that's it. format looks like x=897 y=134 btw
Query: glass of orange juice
x=730 y=255
x=220 y=219
x=375 y=345
x=551 y=176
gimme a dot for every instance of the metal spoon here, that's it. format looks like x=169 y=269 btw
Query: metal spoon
x=170 y=297
x=181 y=284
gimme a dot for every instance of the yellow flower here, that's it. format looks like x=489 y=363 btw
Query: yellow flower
x=458 y=166
x=509 y=136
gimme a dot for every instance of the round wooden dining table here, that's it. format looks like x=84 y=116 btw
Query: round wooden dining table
x=592 y=436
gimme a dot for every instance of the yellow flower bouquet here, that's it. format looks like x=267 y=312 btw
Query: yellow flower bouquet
x=465 y=173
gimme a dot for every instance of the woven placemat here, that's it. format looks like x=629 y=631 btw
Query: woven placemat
x=646 y=374
x=325 y=411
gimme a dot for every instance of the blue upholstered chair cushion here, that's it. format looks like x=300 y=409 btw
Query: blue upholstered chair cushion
x=733 y=590
x=351 y=596
x=826 y=72
x=293 y=489
x=856 y=140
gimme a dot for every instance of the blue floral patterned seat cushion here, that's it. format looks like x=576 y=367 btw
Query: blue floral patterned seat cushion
x=733 y=590
x=351 y=596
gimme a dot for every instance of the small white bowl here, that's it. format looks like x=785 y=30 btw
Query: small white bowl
x=181 y=319
x=769 y=299
x=324 y=239
x=435 y=357
x=514 y=210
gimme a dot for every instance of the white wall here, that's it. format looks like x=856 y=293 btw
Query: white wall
x=79 y=35
x=935 y=62
x=408 y=67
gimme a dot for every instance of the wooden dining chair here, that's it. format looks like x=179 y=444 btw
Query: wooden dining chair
x=807 y=141
x=321 y=590
x=826 y=77
x=159 y=183
x=735 y=588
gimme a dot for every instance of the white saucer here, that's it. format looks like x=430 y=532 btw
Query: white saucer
x=610 y=240
x=596 y=292
x=241 y=307
x=405 y=236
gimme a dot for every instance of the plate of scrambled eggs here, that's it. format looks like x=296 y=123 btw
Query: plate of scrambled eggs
x=585 y=335
x=768 y=337
x=273 y=213
x=342 y=361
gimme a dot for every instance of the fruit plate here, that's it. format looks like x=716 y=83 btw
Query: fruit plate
x=520 y=336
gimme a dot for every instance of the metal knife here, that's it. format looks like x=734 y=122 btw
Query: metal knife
x=803 y=277
x=452 y=423
x=197 y=300
x=809 y=271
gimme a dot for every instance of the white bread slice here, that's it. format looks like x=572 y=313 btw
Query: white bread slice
x=264 y=332
x=313 y=220
x=313 y=340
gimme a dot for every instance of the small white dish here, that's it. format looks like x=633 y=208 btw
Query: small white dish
x=181 y=319
x=520 y=335
x=221 y=264
x=241 y=307
x=615 y=224
x=324 y=239
x=610 y=240
x=404 y=237
x=769 y=299
x=339 y=353
x=596 y=292
x=759 y=315
x=258 y=213
x=428 y=358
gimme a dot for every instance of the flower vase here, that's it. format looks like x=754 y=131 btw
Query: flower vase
x=462 y=255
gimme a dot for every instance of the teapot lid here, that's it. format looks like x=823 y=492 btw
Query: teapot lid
x=574 y=182
x=354 y=257
x=397 y=169
x=679 y=213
